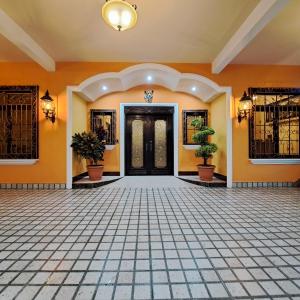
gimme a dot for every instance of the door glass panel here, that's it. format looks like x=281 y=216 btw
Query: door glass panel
x=160 y=144
x=137 y=137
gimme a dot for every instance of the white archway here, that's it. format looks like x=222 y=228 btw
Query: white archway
x=102 y=84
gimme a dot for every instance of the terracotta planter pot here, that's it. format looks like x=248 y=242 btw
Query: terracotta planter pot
x=206 y=172
x=95 y=172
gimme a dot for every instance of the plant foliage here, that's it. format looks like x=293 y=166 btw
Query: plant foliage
x=206 y=149
x=88 y=146
x=101 y=133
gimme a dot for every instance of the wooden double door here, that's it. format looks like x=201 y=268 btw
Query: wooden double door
x=149 y=141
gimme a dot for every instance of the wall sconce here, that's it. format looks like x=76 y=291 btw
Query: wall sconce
x=48 y=107
x=244 y=108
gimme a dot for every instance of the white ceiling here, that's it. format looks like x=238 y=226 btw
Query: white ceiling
x=278 y=42
x=167 y=31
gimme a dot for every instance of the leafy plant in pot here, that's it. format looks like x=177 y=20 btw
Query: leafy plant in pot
x=89 y=146
x=205 y=149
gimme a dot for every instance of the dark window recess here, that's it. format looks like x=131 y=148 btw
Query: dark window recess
x=274 y=123
x=19 y=122
x=107 y=120
x=188 y=129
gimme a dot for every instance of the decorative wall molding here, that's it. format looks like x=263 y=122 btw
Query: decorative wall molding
x=190 y=147
x=272 y=161
x=33 y=186
x=17 y=162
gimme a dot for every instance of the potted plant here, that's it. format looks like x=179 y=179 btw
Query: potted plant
x=89 y=146
x=205 y=150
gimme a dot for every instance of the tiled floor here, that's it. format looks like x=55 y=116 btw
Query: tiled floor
x=120 y=242
x=151 y=182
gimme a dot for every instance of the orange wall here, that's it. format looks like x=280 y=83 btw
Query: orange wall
x=51 y=167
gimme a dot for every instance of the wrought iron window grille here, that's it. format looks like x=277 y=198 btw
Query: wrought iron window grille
x=104 y=120
x=188 y=130
x=274 y=123
x=19 y=122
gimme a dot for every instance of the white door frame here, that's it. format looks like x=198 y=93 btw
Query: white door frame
x=122 y=132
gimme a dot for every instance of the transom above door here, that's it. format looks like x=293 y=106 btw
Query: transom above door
x=149 y=141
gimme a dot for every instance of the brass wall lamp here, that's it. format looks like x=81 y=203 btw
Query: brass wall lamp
x=245 y=106
x=48 y=107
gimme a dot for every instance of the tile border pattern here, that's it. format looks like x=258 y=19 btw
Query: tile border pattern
x=33 y=186
x=261 y=184
x=62 y=186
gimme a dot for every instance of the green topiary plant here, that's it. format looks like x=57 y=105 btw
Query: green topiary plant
x=88 y=146
x=206 y=149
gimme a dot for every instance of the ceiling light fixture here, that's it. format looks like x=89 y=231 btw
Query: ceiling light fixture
x=119 y=14
x=149 y=78
x=194 y=89
x=104 y=88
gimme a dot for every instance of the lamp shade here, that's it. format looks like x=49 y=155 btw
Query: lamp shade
x=119 y=14
x=245 y=102
x=47 y=97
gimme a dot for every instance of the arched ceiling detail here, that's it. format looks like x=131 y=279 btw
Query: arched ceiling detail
x=102 y=84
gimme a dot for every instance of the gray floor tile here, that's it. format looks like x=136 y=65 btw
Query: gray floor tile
x=161 y=291
x=217 y=290
x=129 y=242
x=236 y=289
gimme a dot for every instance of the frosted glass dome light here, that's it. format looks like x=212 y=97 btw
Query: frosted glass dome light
x=119 y=14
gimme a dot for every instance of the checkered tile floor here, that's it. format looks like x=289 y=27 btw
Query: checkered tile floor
x=156 y=243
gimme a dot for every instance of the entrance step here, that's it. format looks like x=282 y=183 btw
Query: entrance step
x=216 y=182
x=86 y=183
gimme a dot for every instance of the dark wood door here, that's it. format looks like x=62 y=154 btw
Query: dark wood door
x=149 y=141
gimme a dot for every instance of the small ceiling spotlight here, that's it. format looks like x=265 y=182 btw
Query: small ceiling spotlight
x=194 y=89
x=119 y=14
x=104 y=88
x=149 y=78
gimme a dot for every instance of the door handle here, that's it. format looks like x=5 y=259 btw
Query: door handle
x=150 y=145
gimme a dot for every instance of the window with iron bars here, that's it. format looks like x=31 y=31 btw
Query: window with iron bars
x=105 y=121
x=274 y=123
x=188 y=130
x=19 y=122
